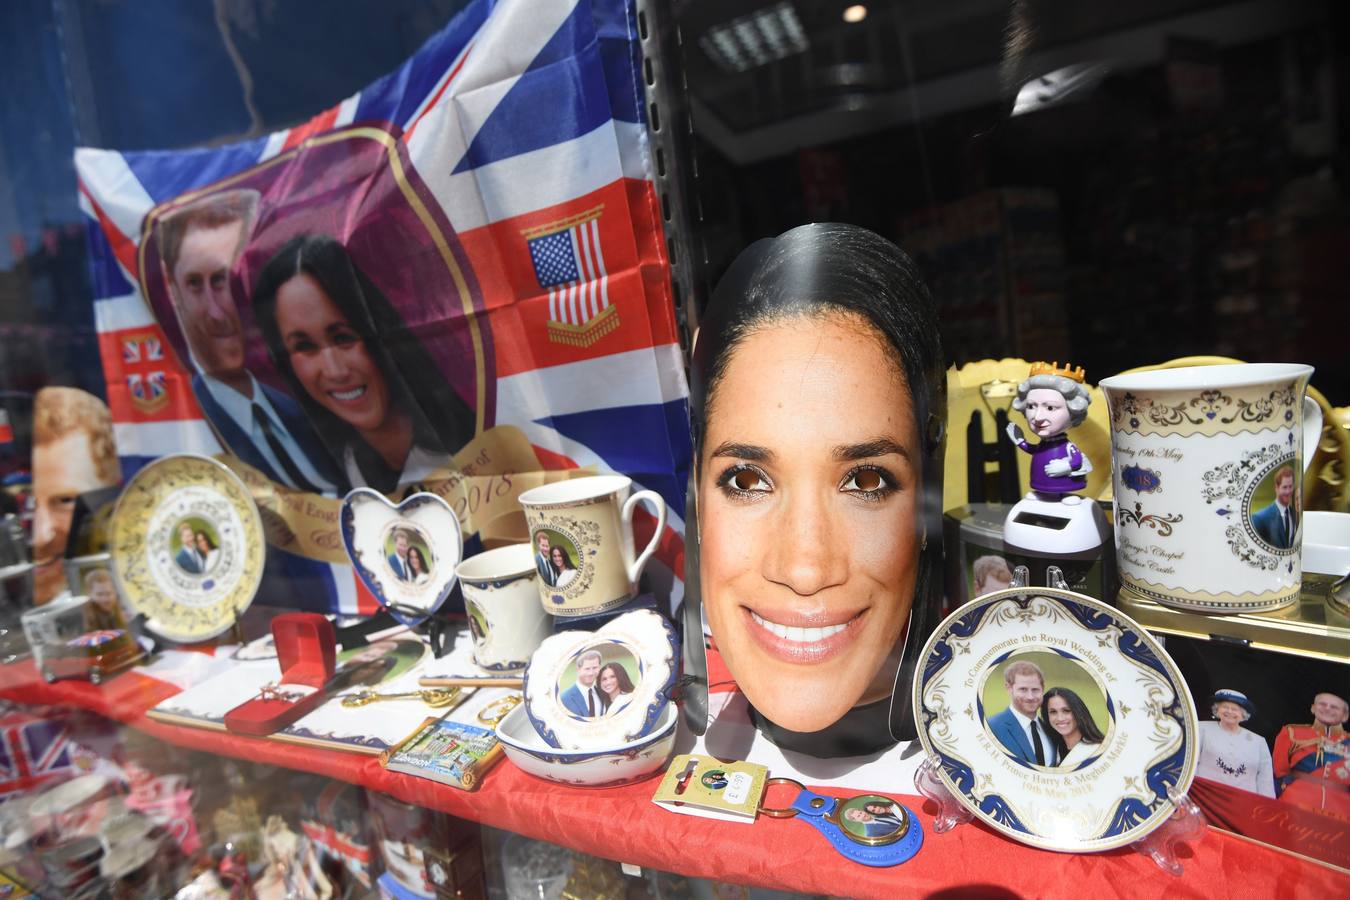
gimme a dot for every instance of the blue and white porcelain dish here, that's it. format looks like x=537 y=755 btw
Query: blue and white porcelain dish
x=606 y=767
x=587 y=690
x=405 y=554
x=1114 y=734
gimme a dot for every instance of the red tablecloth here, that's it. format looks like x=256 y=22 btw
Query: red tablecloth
x=623 y=824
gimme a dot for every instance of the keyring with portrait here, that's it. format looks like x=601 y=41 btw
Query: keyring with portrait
x=870 y=828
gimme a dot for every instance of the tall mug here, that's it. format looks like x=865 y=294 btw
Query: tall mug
x=582 y=534
x=1207 y=464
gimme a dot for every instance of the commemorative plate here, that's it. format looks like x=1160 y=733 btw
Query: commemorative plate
x=187 y=547
x=1114 y=728
x=596 y=690
x=405 y=554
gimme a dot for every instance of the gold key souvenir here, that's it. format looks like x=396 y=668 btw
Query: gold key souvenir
x=433 y=697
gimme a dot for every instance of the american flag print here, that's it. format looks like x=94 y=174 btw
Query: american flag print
x=569 y=262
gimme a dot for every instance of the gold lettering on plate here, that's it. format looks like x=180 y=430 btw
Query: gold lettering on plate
x=980 y=664
x=1089 y=655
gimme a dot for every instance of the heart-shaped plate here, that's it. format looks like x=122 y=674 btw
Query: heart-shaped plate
x=405 y=554
x=593 y=690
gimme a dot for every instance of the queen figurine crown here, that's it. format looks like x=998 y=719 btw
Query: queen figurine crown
x=1073 y=373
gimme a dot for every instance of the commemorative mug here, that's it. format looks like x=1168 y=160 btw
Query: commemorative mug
x=581 y=533
x=502 y=602
x=1207 y=466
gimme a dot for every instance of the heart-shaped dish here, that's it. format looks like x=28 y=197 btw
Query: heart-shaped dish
x=597 y=690
x=405 y=554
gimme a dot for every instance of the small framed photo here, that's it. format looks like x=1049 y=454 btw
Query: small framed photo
x=92 y=576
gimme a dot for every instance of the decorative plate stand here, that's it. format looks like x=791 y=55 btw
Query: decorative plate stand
x=187 y=547
x=1101 y=794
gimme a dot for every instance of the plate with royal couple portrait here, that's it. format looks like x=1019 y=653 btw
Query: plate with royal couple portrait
x=1055 y=719
x=598 y=690
x=404 y=553
x=187 y=547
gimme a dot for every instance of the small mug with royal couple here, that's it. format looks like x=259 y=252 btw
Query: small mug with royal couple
x=585 y=551
x=1044 y=727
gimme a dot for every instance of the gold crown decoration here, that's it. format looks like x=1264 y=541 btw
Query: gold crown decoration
x=1071 y=372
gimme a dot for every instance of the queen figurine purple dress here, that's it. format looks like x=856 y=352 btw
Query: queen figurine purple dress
x=1052 y=520
x=1053 y=400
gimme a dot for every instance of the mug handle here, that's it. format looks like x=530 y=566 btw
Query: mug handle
x=1312 y=430
x=635 y=566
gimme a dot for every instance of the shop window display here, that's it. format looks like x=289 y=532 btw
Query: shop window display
x=466 y=273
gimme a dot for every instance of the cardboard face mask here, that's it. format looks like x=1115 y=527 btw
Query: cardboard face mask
x=810 y=553
x=73 y=453
x=812 y=466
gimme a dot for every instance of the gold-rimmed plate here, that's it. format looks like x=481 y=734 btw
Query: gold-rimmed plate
x=187 y=547
x=1115 y=731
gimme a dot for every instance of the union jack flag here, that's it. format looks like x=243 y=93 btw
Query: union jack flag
x=147 y=390
x=524 y=123
x=146 y=387
x=33 y=752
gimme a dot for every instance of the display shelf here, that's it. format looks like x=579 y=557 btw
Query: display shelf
x=1313 y=627
x=623 y=824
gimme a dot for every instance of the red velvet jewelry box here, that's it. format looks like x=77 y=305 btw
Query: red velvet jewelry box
x=307 y=653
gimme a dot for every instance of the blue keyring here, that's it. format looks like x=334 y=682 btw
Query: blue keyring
x=882 y=833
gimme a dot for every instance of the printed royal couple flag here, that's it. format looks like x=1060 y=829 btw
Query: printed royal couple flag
x=462 y=266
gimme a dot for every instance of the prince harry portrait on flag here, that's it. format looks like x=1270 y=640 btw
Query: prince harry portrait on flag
x=198 y=244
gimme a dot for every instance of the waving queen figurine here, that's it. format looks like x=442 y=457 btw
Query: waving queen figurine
x=1052 y=517
x=1053 y=400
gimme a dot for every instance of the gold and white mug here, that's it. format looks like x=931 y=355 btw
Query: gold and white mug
x=581 y=532
x=1207 y=467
